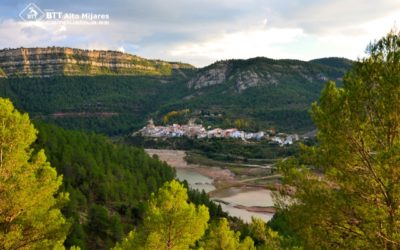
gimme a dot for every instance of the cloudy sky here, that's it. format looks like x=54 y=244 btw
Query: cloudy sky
x=203 y=31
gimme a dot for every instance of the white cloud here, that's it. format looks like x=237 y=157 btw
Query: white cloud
x=202 y=31
x=242 y=44
x=349 y=41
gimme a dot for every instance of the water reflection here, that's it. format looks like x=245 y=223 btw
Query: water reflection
x=231 y=197
x=234 y=196
x=244 y=214
x=196 y=181
x=246 y=197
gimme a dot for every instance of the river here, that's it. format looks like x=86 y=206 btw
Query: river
x=195 y=180
x=233 y=200
x=230 y=198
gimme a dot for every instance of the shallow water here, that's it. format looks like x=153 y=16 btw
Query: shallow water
x=234 y=196
x=195 y=180
x=246 y=197
x=244 y=214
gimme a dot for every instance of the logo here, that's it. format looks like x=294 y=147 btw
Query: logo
x=31 y=13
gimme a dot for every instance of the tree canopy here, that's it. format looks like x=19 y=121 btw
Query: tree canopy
x=171 y=223
x=346 y=190
x=221 y=237
x=30 y=216
x=108 y=183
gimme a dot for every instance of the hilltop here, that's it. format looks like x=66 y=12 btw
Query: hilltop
x=55 y=61
x=261 y=71
x=116 y=93
x=261 y=91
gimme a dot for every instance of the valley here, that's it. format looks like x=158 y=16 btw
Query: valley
x=220 y=130
x=115 y=93
x=199 y=125
x=239 y=194
x=254 y=94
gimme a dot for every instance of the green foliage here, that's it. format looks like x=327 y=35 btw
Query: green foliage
x=129 y=242
x=118 y=104
x=171 y=222
x=342 y=64
x=280 y=223
x=103 y=228
x=221 y=237
x=74 y=248
x=104 y=104
x=241 y=124
x=30 y=216
x=180 y=116
x=108 y=183
x=264 y=237
x=354 y=204
x=201 y=198
x=221 y=149
x=281 y=101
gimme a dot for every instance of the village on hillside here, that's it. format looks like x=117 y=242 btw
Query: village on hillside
x=198 y=131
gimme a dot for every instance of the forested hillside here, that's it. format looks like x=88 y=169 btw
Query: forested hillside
x=78 y=189
x=346 y=187
x=105 y=104
x=104 y=191
x=261 y=92
x=107 y=183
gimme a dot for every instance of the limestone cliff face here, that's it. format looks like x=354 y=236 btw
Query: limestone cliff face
x=239 y=75
x=51 y=61
x=228 y=72
x=211 y=76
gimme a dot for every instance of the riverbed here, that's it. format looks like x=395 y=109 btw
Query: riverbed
x=242 y=202
x=195 y=180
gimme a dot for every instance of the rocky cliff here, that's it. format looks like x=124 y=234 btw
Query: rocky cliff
x=262 y=92
x=51 y=61
x=240 y=75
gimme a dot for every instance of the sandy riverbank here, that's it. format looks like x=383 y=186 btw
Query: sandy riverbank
x=236 y=197
x=176 y=158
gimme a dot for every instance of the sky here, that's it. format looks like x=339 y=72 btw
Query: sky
x=201 y=32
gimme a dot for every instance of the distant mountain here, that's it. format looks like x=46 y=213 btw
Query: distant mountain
x=115 y=93
x=336 y=62
x=54 y=61
x=262 y=91
x=260 y=71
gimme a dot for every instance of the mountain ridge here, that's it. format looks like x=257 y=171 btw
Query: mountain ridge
x=258 y=71
x=258 y=92
x=54 y=61
x=113 y=60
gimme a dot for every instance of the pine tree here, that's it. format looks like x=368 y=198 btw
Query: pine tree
x=265 y=238
x=171 y=223
x=221 y=237
x=30 y=217
x=355 y=202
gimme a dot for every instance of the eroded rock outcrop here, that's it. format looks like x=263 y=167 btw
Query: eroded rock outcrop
x=239 y=75
x=228 y=72
x=51 y=61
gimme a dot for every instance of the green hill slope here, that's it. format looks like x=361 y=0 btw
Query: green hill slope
x=107 y=183
x=260 y=92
